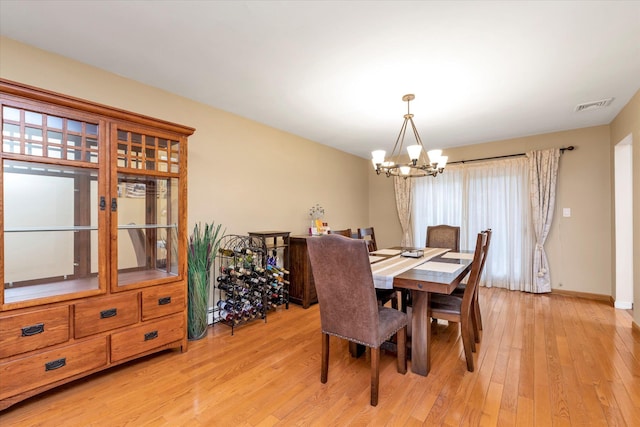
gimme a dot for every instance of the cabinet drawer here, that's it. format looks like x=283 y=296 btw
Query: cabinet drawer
x=44 y=368
x=147 y=336
x=103 y=314
x=161 y=300
x=24 y=332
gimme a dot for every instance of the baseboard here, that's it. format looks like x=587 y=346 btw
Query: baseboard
x=597 y=297
x=623 y=305
x=635 y=327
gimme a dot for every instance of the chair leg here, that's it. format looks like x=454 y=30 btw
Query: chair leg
x=324 y=372
x=375 y=375
x=468 y=344
x=401 y=343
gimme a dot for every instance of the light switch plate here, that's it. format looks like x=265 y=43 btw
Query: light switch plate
x=566 y=212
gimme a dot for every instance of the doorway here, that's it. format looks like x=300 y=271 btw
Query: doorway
x=623 y=193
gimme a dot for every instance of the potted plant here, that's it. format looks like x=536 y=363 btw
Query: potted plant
x=203 y=246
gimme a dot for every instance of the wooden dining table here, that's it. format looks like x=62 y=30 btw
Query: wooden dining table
x=440 y=273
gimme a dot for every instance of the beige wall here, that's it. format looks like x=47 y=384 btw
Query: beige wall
x=242 y=174
x=628 y=122
x=578 y=247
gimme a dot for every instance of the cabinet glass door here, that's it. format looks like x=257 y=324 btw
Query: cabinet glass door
x=147 y=210
x=147 y=218
x=50 y=227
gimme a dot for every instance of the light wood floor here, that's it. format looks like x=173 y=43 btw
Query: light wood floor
x=544 y=360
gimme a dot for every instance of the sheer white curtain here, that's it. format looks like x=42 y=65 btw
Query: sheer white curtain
x=477 y=196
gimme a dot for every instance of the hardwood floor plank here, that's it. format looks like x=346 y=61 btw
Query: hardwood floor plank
x=543 y=360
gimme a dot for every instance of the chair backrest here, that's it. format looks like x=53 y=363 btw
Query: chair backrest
x=485 y=249
x=474 y=275
x=346 y=232
x=443 y=236
x=370 y=236
x=344 y=284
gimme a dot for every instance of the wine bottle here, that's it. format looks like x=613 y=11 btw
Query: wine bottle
x=225 y=252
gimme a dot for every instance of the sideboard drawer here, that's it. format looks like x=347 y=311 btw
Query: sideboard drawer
x=158 y=301
x=103 y=314
x=20 y=333
x=147 y=336
x=50 y=366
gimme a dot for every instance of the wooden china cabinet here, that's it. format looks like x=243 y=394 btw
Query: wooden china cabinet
x=93 y=250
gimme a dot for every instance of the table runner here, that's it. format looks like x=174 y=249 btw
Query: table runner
x=440 y=267
x=458 y=255
x=385 y=271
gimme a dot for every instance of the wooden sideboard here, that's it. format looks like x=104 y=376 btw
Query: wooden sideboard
x=302 y=289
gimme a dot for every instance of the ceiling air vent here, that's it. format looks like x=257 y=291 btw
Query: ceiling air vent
x=593 y=105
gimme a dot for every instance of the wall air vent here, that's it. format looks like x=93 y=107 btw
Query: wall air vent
x=593 y=105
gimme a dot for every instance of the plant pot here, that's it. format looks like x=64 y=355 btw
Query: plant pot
x=197 y=322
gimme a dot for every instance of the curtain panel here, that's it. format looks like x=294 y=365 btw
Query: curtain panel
x=403 y=206
x=543 y=175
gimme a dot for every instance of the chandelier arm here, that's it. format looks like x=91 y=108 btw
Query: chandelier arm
x=399 y=140
x=422 y=155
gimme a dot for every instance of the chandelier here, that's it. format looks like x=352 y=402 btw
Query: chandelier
x=418 y=165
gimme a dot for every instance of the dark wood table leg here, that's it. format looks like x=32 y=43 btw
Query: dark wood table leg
x=420 y=334
x=356 y=350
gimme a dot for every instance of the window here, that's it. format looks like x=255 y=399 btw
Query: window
x=477 y=196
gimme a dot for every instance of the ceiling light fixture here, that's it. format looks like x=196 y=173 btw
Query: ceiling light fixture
x=418 y=165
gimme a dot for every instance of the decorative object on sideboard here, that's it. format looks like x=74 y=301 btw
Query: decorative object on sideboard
x=203 y=246
x=419 y=165
x=318 y=227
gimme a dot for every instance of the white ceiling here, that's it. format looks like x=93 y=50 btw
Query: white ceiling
x=335 y=71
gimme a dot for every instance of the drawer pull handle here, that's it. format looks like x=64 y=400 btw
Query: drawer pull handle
x=55 y=364
x=104 y=314
x=151 y=335
x=27 y=331
x=164 y=300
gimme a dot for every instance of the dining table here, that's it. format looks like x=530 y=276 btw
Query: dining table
x=421 y=271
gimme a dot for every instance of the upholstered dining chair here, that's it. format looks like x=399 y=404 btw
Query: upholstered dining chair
x=443 y=236
x=455 y=309
x=348 y=306
x=460 y=289
x=346 y=232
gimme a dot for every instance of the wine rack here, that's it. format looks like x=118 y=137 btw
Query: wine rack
x=276 y=246
x=248 y=284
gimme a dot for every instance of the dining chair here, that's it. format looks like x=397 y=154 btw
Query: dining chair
x=459 y=291
x=346 y=232
x=370 y=236
x=383 y=295
x=348 y=306
x=443 y=236
x=455 y=309
x=438 y=236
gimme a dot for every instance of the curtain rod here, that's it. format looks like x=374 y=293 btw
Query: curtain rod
x=562 y=150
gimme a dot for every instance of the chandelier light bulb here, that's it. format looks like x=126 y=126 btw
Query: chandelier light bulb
x=414 y=151
x=434 y=155
x=442 y=162
x=378 y=156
